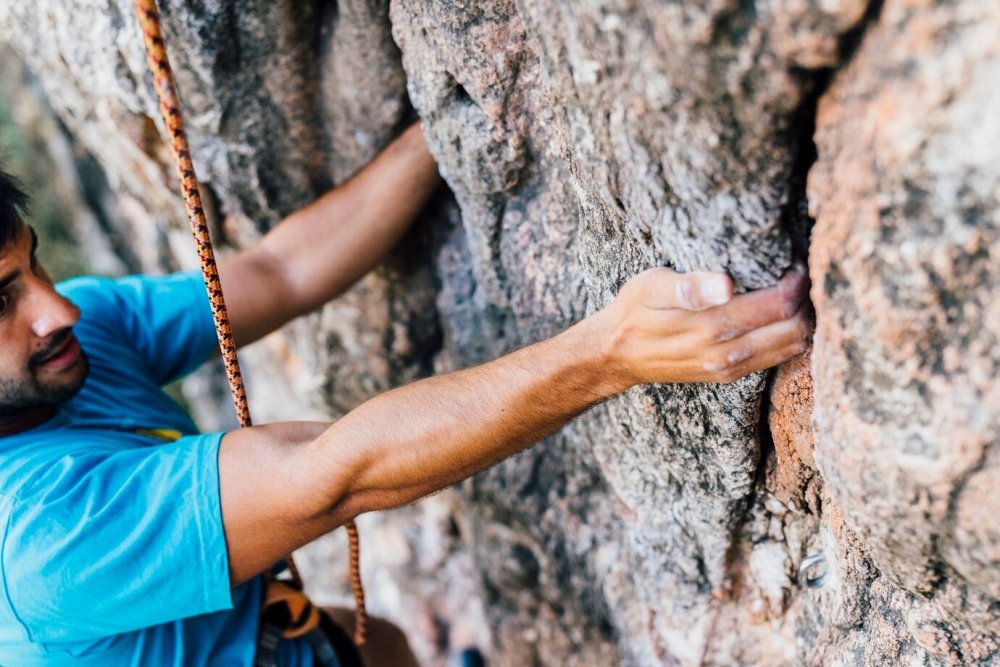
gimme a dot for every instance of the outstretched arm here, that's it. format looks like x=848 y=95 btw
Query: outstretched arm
x=319 y=251
x=286 y=484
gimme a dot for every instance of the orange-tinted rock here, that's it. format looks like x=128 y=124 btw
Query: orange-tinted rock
x=905 y=272
x=790 y=420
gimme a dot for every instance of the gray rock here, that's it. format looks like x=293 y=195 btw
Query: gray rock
x=583 y=142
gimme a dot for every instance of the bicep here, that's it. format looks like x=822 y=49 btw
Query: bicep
x=277 y=493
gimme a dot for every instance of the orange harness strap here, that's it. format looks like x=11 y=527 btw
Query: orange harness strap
x=166 y=91
x=303 y=616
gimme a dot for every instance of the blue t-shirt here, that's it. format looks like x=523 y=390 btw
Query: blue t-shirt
x=112 y=550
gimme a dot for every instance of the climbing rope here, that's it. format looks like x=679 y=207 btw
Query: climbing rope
x=163 y=79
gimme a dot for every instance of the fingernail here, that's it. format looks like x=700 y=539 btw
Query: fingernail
x=683 y=295
x=715 y=291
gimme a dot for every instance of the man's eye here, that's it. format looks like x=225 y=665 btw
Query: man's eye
x=4 y=303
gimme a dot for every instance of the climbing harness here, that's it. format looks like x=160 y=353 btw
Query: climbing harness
x=163 y=79
x=287 y=613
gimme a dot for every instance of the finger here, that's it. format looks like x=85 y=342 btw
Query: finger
x=663 y=332
x=754 y=310
x=760 y=362
x=761 y=348
x=770 y=359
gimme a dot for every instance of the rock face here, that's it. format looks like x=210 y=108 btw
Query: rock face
x=583 y=142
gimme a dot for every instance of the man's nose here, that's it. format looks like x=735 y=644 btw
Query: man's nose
x=51 y=311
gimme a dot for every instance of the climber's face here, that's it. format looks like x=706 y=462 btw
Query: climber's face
x=41 y=363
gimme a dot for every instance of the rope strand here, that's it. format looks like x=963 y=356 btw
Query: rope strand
x=357 y=588
x=166 y=92
x=163 y=80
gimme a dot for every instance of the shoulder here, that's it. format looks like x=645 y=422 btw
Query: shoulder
x=129 y=289
x=87 y=512
x=85 y=290
x=126 y=304
x=166 y=320
x=105 y=312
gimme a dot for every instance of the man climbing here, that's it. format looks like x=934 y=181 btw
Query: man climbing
x=128 y=538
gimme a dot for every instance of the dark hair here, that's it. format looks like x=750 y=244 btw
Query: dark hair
x=13 y=202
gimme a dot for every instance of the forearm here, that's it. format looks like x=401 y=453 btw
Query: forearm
x=318 y=252
x=333 y=242
x=285 y=484
x=419 y=438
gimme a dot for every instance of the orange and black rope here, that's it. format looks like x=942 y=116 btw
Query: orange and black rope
x=163 y=79
x=354 y=552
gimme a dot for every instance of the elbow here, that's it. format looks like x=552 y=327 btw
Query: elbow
x=345 y=479
x=350 y=507
x=342 y=511
x=347 y=506
x=361 y=471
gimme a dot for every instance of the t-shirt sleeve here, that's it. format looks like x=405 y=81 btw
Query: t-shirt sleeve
x=166 y=320
x=115 y=542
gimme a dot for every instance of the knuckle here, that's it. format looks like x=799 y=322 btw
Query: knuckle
x=660 y=272
x=628 y=290
x=684 y=293
x=715 y=330
x=738 y=355
x=717 y=362
x=726 y=331
x=789 y=306
x=639 y=280
x=658 y=276
x=805 y=328
x=650 y=281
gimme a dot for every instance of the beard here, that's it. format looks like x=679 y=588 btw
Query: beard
x=31 y=393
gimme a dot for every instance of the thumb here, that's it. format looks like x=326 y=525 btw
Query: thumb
x=700 y=290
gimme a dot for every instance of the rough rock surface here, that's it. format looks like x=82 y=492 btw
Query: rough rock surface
x=584 y=141
x=904 y=259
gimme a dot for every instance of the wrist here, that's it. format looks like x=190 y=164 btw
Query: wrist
x=595 y=340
